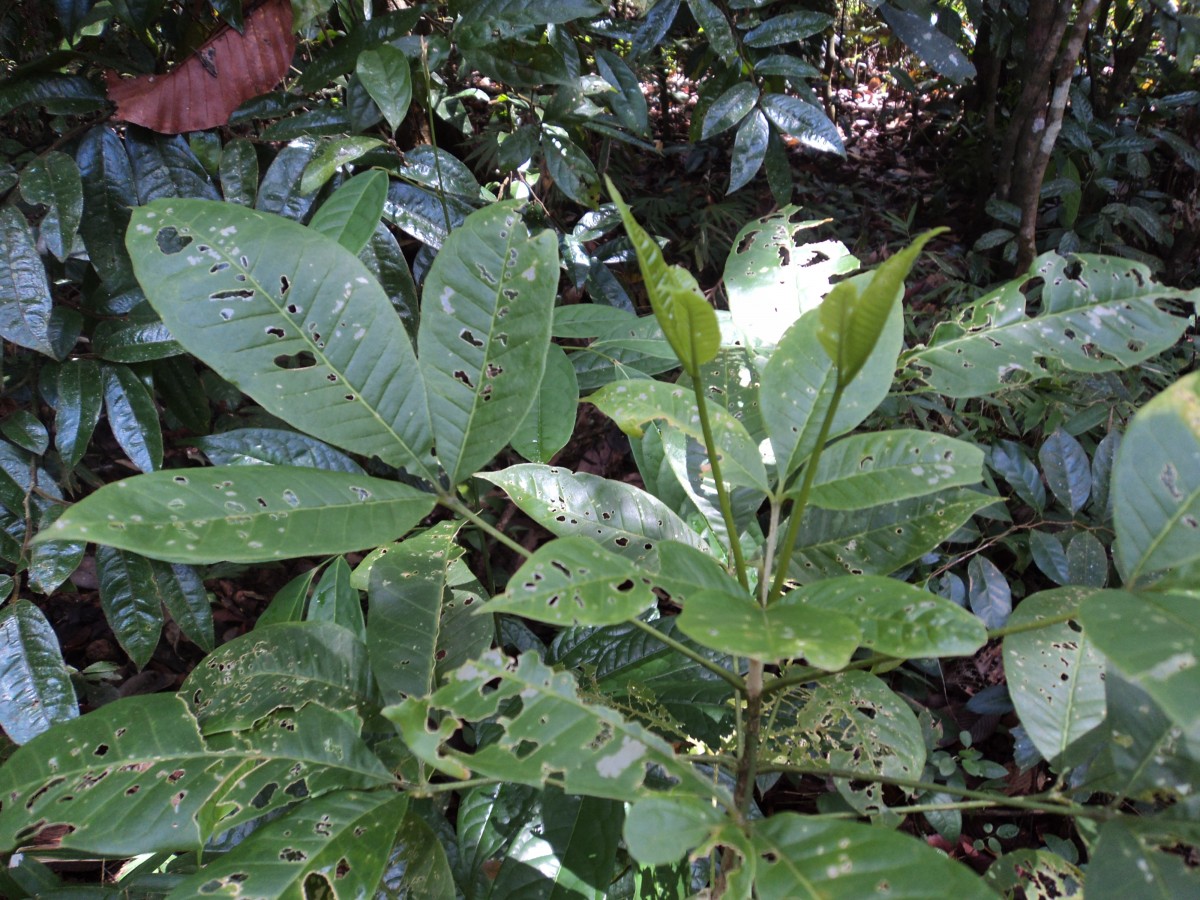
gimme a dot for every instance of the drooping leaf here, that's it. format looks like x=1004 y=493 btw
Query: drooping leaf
x=351 y=215
x=886 y=466
x=1055 y=675
x=687 y=320
x=1154 y=641
x=592 y=748
x=128 y=599
x=627 y=99
x=936 y=49
x=133 y=417
x=988 y=592
x=749 y=150
x=632 y=404
x=855 y=313
x=336 y=600
x=1067 y=470
x=273 y=447
x=735 y=623
x=246 y=514
x=385 y=73
x=247 y=292
x=618 y=516
x=1091 y=305
x=1156 y=484
x=25 y=302
x=783 y=29
x=805 y=122
x=53 y=181
x=1008 y=460
x=896 y=618
x=550 y=422
x=484 y=330
x=569 y=166
x=35 y=687
x=406 y=594
x=729 y=109
x=288 y=664
x=224 y=72
x=239 y=172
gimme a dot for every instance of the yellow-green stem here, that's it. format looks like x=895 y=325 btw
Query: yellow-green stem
x=732 y=678
x=710 y=444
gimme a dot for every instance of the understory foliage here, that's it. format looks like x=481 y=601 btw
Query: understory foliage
x=361 y=321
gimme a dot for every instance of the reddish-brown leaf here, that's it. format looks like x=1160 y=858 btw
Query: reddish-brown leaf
x=224 y=73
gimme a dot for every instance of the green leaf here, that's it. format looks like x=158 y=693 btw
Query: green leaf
x=591 y=748
x=181 y=591
x=880 y=540
x=735 y=623
x=1122 y=865
x=803 y=857
x=632 y=404
x=336 y=600
x=280 y=191
x=485 y=327
x=273 y=447
x=35 y=687
x=248 y=293
x=25 y=302
x=988 y=592
x=334 y=154
x=1008 y=460
x=791 y=67
x=239 y=172
x=53 y=562
x=896 y=618
x=1097 y=314
x=1047 y=551
x=527 y=12
x=1067 y=470
x=277 y=666
x=855 y=313
x=385 y=73
x=442 y=172
x=59 y=94
x=1026 y=872
x=243 y=514
x=53 y=181
x=798 y=383
x=165 y=166
x=418 y=865
x=687 y=320
x=569 y=167
x=771 y=280
x=26 y=430
x=128 y=599
x=729 y=109
x=1154 y=641
x=884 y=466
x=717 y=32
x=140 y=337
x=133 y=417
x=619 y=517
x=550 y=421
x=289 y=602
x=626 y=99
x=406 y=593
x=1087 y=561
x=662 y=830
x=805 y=122
x=574 y=581
x=749 y=150
x=936 y=49
x=352 y=213
x=108 y=195
x=1055 y=675
x=1156 y=484
x=784 y=29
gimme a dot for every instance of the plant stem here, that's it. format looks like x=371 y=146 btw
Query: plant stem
x=456 y=506
x=437 y=161
x=801 y=502
x=805 y=674
x=994 y=633
x=734 y=680
x=743 y=791
x=710 y=444
x=428 y=790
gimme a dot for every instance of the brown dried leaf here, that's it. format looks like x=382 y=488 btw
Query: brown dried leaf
x=220 y=76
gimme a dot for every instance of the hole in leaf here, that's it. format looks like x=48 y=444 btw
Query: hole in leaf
x=343 y=868
x=263 y=797
x=101 y=750
x=301 y=360
x=236 y=294
x=170 y=241
x=284 y=285
x=291 y=854
x=470 y=338
x=297 y=789
x=275 y=331
x=464 y=378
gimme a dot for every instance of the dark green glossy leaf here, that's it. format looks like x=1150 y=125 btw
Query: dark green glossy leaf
x=80 y=398
x=988 y=593
x=129 y=601
x=336 y=600
x=805 y=122
x=230 y=11
x=239 y=172
x=387 y=263
x=1047 y=551
x=274 y=447
x=280 y=191
x=627 y=99
x=25 y=301
x=790 y=67
x=133 y=417
x=182 y=593
x=717 y=32
x=53 y=562
x=418 y=865
x=26 y=430
x=527 y=12
x=53 y=181
x=749 y=150
x=331 y=155
x=729 y=109
x=244 y=513
x=654 y=27
x=385 y=73
x=1008 y=460
x=570 y=167
x=165 y=166
x=139 y=338
x=936 y=49
x=290 y=601
x=550 y=422
x=793 y=26
x=35 y=687
x=1067 y=470
x=352 y=214
x=108 y=195
x=181 y=391
x=59 y=94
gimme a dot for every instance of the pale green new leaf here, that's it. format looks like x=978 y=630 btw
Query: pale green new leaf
x=335 y=846
x=575 y=581
x=334 y=153
x=590 y=748
x=884 y=466
x=804 y=858
x=895 y=618
x=351 y=214
x=1055 y=674
x=1098 y=314
x=798 y=383
x=687 y=319
x=35 y=687
x=1154 y=641
x=1156 y=484
x=289 y=316
x=735 y=623
x=618 y=516
x=288 y=664
x=485 y=327
x=243 y=513
x=631 y=404
x=854 y=314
